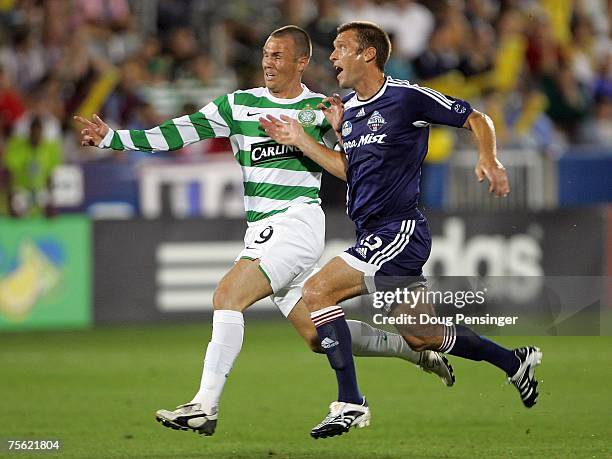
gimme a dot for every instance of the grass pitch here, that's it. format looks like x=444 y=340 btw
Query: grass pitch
x=97 y=392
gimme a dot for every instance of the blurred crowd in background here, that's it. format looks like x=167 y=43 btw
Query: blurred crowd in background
x=542 y=69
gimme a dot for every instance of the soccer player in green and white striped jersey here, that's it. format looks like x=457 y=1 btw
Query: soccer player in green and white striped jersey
x=276 y=177
x=286 y=226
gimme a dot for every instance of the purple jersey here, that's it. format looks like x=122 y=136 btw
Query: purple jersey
x=385 y=139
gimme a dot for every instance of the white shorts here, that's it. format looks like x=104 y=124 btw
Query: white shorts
x=288 y=246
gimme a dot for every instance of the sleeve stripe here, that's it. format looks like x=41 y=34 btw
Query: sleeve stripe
x=435 y=94
x=116 y=143
x=140 y=140
x=186 y=130
x=438 y=97
x=439 y=94
x=156 y=139
x=202 y=126
x=217 y=122
x=126 y=140
x=171 y=134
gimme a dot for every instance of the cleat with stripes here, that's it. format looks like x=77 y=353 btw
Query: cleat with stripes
x=437 y=364
x=188 y=417
x=341 y=417
x=524 y=380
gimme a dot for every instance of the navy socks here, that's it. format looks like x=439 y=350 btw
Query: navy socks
x=463 y=342
x=335 y=339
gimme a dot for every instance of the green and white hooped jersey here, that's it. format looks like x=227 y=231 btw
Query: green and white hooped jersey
x=276 y=177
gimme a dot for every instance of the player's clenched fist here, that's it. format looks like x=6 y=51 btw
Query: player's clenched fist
x=496 y=174
x=94 y=130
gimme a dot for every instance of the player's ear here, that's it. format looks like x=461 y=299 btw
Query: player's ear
x=303 y=62
x=369 y=54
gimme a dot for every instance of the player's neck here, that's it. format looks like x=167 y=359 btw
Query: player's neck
x=290 y=92
x=369 y=85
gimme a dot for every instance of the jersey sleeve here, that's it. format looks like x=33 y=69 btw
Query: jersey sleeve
x=328 y=135
x=213 y=120
x=433 y=107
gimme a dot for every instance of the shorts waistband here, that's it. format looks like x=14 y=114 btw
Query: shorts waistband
x=414 y=214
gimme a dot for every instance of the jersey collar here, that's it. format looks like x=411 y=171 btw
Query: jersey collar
x=355 y=102
x=278 y=100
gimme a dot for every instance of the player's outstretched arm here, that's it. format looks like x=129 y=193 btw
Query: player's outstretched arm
x=488 y=165
x=211 y=121
x=288 y=131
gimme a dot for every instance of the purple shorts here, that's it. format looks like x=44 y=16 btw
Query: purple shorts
x=391 y=254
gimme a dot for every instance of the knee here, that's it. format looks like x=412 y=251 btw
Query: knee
x=315 y=294
x=421 y=343
x=225 y=298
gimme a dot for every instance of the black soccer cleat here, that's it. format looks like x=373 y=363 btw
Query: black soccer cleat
x=341 y=417
x=188 y=417
x=524 y=379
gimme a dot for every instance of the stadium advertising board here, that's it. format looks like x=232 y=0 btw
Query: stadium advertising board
x=148 y=270
x=45 y=273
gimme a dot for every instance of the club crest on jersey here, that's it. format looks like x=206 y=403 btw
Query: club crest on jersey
x=376 y=121
x=347 y=128
x=265 y=152
x=307 y=116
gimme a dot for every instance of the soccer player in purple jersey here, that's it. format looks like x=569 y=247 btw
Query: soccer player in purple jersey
x=277 y=257
x=383 y=126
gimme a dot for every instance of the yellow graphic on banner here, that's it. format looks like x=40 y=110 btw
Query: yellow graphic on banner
x=34 y=277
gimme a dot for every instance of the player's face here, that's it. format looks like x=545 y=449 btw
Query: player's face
x=282 y=69
x=349 y=64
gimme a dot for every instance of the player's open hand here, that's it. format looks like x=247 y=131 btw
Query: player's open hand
x=333 y=109
x=496 y=174
x=94 y=131
x=285 y=130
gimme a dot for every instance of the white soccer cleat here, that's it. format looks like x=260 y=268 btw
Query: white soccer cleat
x=524 y=379
x=341 y=417
x=437 y=364
x=188 y=417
